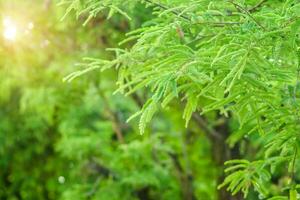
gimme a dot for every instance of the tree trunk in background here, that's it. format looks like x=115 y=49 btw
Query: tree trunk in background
x=221 y=152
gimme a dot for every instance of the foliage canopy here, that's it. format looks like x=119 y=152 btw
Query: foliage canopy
x=211 y=86
x=239 y=58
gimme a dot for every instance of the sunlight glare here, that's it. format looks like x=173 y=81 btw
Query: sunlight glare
x=10 y=29
x=30 y=25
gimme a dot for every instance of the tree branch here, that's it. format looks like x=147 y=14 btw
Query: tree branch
x=112 y=117
x=212 y=133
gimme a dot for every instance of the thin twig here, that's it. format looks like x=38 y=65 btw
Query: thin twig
x=219 y=24
x=241 y=9
x=166 y=8
x=291 y=21
x=259 y=4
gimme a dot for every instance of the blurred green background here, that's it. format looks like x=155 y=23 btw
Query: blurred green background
x=70 y=140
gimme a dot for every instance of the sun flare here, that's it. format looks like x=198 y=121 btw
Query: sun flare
x=10 y=29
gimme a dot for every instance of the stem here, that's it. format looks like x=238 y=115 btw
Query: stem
x=259 y=4
x=241 y=9
x=166 y=8
x=220 y=24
